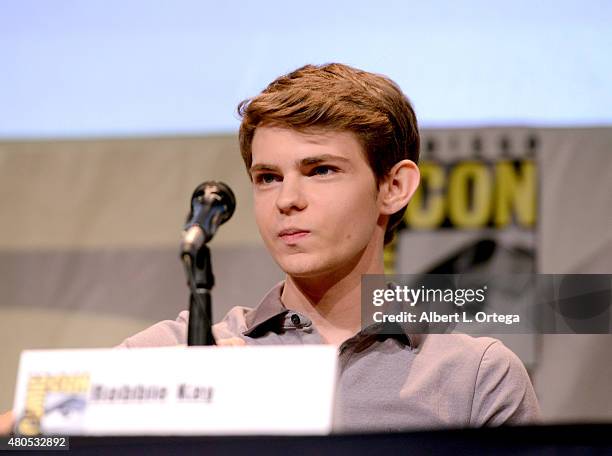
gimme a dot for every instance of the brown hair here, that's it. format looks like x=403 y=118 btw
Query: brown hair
x=338 y=97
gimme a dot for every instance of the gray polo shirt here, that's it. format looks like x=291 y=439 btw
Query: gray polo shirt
x=388 y=382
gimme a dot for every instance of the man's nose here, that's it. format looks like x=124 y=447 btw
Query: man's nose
x=291 y=195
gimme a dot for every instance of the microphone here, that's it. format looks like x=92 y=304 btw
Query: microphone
x=212 y=204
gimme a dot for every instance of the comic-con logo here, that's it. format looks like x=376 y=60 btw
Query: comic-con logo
x=475 y=194
x=50 y=395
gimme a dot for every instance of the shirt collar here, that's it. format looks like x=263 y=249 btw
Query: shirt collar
x=266 y=315
x=267 y=310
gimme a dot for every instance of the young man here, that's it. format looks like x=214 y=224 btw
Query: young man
x=331 y=152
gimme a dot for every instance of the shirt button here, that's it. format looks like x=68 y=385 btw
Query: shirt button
x=295 y=319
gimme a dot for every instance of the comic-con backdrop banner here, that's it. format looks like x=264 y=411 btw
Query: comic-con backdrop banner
x=476 y=206
x=475 y=210
x=508 y=201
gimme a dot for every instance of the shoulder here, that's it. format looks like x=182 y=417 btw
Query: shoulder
x=488 y=373
x=503 y=392
x=457 y=341
x=174 y=332
x=162 y=334
x=459 y=349
x=482 y=352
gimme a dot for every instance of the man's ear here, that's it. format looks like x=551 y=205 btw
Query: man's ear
x=398 y=186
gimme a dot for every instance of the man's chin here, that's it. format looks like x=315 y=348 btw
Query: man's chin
x=301 y=268
x=302 y=272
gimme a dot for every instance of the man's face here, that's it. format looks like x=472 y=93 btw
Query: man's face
x=316 y=200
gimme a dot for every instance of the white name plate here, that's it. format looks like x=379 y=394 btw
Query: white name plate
x=176 y=391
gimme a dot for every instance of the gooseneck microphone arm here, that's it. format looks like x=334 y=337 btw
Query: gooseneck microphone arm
x=212 y=204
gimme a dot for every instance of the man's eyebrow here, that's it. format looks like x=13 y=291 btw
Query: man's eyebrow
x=308 y=161
x=262 y=167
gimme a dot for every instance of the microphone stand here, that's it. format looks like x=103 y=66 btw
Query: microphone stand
x=200 y=279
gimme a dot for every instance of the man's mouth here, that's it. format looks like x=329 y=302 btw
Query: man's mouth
x=292 y=235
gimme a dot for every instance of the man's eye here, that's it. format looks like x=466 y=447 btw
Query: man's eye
x=322 y=171
x=266 y=178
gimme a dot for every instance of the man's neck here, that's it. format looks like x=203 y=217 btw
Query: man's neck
x=334 y=307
